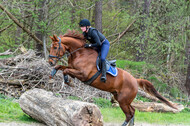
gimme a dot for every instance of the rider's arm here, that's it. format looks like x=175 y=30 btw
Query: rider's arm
x=96 y=39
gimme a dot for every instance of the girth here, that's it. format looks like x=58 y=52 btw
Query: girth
x=89 y=82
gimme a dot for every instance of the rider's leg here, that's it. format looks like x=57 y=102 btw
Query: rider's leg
x=104 y=52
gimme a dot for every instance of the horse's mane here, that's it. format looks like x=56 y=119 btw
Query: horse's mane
x=74 y=34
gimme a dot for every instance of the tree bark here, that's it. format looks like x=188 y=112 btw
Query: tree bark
x=21 y=25
x=155 y=107
x=187 y=84
x=45 y=107
x=39 y=33
x=2 y=30
x=143 y=26
x=98 y=15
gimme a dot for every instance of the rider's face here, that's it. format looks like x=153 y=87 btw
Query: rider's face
x=83 y=28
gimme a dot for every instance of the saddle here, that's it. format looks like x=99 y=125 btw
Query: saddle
x=110 y=66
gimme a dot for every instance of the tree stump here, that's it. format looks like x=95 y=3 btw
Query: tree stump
x=45 y=107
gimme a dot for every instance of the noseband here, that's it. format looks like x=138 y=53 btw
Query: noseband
x=60 y=47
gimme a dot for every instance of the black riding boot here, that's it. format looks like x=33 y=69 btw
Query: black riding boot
x=103 y=77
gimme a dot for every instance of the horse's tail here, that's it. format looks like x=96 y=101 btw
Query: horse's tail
x=149 y=88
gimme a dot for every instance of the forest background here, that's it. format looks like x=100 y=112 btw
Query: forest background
x=155 y=33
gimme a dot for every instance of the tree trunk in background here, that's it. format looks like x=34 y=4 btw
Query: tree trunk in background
x=17 y=34
x=143 y=26
x=73 y=12
x=187 y=84
x=98 y=15
x=39 y=33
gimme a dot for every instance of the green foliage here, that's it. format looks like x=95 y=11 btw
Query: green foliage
x=6 y=56
x=174 y=92
x=186 y=110
x=140 y=98
x=158 y=77
x=101 y=102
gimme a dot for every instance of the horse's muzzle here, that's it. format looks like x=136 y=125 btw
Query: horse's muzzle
x=51 y=63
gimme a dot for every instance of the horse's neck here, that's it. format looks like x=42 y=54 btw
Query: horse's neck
x=72 y=43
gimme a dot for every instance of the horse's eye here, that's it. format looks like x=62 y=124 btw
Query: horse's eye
x=55 y=47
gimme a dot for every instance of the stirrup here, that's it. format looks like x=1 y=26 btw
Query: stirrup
x=103 y=79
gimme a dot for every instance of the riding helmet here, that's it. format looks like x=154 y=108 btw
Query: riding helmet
x=84 y=22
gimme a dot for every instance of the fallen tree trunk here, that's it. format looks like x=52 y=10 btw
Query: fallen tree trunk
x=12 y=82
x=150 y=106
x=45 y=107
x=155 y=107
x=146 y=95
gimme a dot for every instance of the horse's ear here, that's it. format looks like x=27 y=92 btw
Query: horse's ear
x=51 y=38
x=55 y=38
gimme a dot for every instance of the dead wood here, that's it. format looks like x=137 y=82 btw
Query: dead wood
x=45 y=107
x=26 y=70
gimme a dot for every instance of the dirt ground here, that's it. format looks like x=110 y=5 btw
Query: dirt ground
x=106 y=124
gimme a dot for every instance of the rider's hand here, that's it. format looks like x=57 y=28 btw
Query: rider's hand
x=87 y=45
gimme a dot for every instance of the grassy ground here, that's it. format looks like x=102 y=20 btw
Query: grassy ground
x=116 y=115
x=11 y=111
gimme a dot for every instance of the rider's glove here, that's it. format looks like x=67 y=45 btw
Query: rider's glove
x=87 y=45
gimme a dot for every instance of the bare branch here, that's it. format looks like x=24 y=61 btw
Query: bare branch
x=21 y=25
x=122 y=34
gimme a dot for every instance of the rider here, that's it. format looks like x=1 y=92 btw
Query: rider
x=98 y=40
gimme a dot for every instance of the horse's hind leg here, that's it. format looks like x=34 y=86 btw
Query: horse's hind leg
x=125 y=105
x=129 y=113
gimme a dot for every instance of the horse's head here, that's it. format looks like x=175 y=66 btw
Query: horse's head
x=57 y=50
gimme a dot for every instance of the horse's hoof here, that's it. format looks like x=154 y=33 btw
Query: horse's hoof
x=131 y=122
x=124 y=124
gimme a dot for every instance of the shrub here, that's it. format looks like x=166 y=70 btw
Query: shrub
x=101 y=102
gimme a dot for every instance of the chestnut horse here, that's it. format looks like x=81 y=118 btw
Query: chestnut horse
x=82 y=65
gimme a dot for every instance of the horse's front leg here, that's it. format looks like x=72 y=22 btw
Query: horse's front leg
x=76 y=73
x=58 y=67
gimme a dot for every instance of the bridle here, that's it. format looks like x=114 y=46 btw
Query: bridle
x=58 y=52
x=57 y=56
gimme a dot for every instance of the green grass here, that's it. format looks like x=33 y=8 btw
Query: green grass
x=116 y=115
x=11 y=111
x=125 y=64
x=6 y=56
